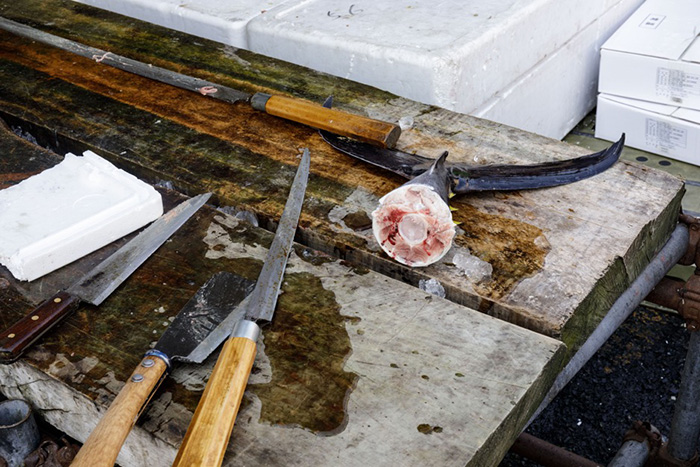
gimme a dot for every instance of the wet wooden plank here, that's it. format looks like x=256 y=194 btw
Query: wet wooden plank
x=559 y=257
x=345 y=375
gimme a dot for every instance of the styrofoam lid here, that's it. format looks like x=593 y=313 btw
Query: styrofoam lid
x=660 y=28
x=674 y=111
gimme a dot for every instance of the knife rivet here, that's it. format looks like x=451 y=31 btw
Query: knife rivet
x=137 y=378
x=147 y=363
x=35 y=317
x=57 y=300
x=11 y=336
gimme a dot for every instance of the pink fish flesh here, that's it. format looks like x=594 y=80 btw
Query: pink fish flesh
x=413 y=224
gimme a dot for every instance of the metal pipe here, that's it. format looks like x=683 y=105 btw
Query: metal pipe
x=633 y=453
x=630 y=299
x=685 y=425
x=666 y=293
x=547 y=454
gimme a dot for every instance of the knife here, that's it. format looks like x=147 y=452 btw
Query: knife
x=365 y=129
x=210 y=429
x=465 y=178
x=97 y=284
x=215 y=300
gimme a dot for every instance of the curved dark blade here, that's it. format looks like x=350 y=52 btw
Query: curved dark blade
x=467 y=178
x=402 y=163
x=525 y=177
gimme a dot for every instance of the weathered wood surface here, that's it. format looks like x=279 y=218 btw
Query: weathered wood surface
x=559 y=257
x=356 y=368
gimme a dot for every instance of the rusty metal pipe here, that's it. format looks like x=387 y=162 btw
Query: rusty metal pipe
x=667 y=293
x=547 y=454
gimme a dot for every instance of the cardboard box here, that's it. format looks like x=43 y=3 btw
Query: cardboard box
x=670 y=131
x=655 y=55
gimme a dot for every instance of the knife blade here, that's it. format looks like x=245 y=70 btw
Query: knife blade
x=468 y=178
x=465 y=178
x=210 y=429
x=219 y=297
x=97 y=284
x=365 y=129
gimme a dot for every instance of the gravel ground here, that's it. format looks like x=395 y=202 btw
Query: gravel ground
x=634 y=376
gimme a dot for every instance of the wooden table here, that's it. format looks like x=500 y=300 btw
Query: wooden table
x=360 y=366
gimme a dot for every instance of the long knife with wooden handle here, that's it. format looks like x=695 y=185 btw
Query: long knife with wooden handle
x=97 y=284
x=213 y=302
x=368 y=130
x=210 y=429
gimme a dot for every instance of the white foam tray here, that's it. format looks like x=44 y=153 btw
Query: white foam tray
x=460 y=55
x=72 y=209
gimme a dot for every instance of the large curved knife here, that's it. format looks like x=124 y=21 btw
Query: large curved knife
x=467 y=178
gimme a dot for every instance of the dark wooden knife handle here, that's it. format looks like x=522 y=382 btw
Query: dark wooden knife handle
x=15 y=340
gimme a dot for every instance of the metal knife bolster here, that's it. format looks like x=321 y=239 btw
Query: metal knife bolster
x=158 y=354
x=247 y=329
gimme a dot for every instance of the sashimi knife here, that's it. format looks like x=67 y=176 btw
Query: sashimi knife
x=376 y=132
x=213 y=302
x=97 y=284
x=210 y=429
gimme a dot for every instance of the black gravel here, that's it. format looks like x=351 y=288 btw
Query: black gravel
x=634 y=376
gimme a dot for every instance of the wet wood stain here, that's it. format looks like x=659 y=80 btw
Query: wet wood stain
x=507 y=244
x=307 y=345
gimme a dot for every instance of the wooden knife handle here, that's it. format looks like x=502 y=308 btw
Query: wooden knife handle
x=210 y=429
x=368 y=130
x=104 y=443
x=15 y=340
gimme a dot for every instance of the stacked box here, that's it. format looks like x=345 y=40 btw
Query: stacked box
x=650 y=80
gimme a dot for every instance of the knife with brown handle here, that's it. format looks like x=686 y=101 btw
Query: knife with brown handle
x=213 y=302
x=368 y=130
x=97 y=284
x=210 y=429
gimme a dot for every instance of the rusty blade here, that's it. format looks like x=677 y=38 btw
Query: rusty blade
x=101 y=281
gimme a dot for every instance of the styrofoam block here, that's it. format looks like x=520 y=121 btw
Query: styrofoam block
x=68 y=211
x=222 y=20
x=453 y=54
x=555 y=95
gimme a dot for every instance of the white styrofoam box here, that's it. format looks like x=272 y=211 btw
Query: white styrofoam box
x=667 y=130
x=453 y=54
x=72 y=209
x=655 y=55
x=553 y=97
x=218 y=20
